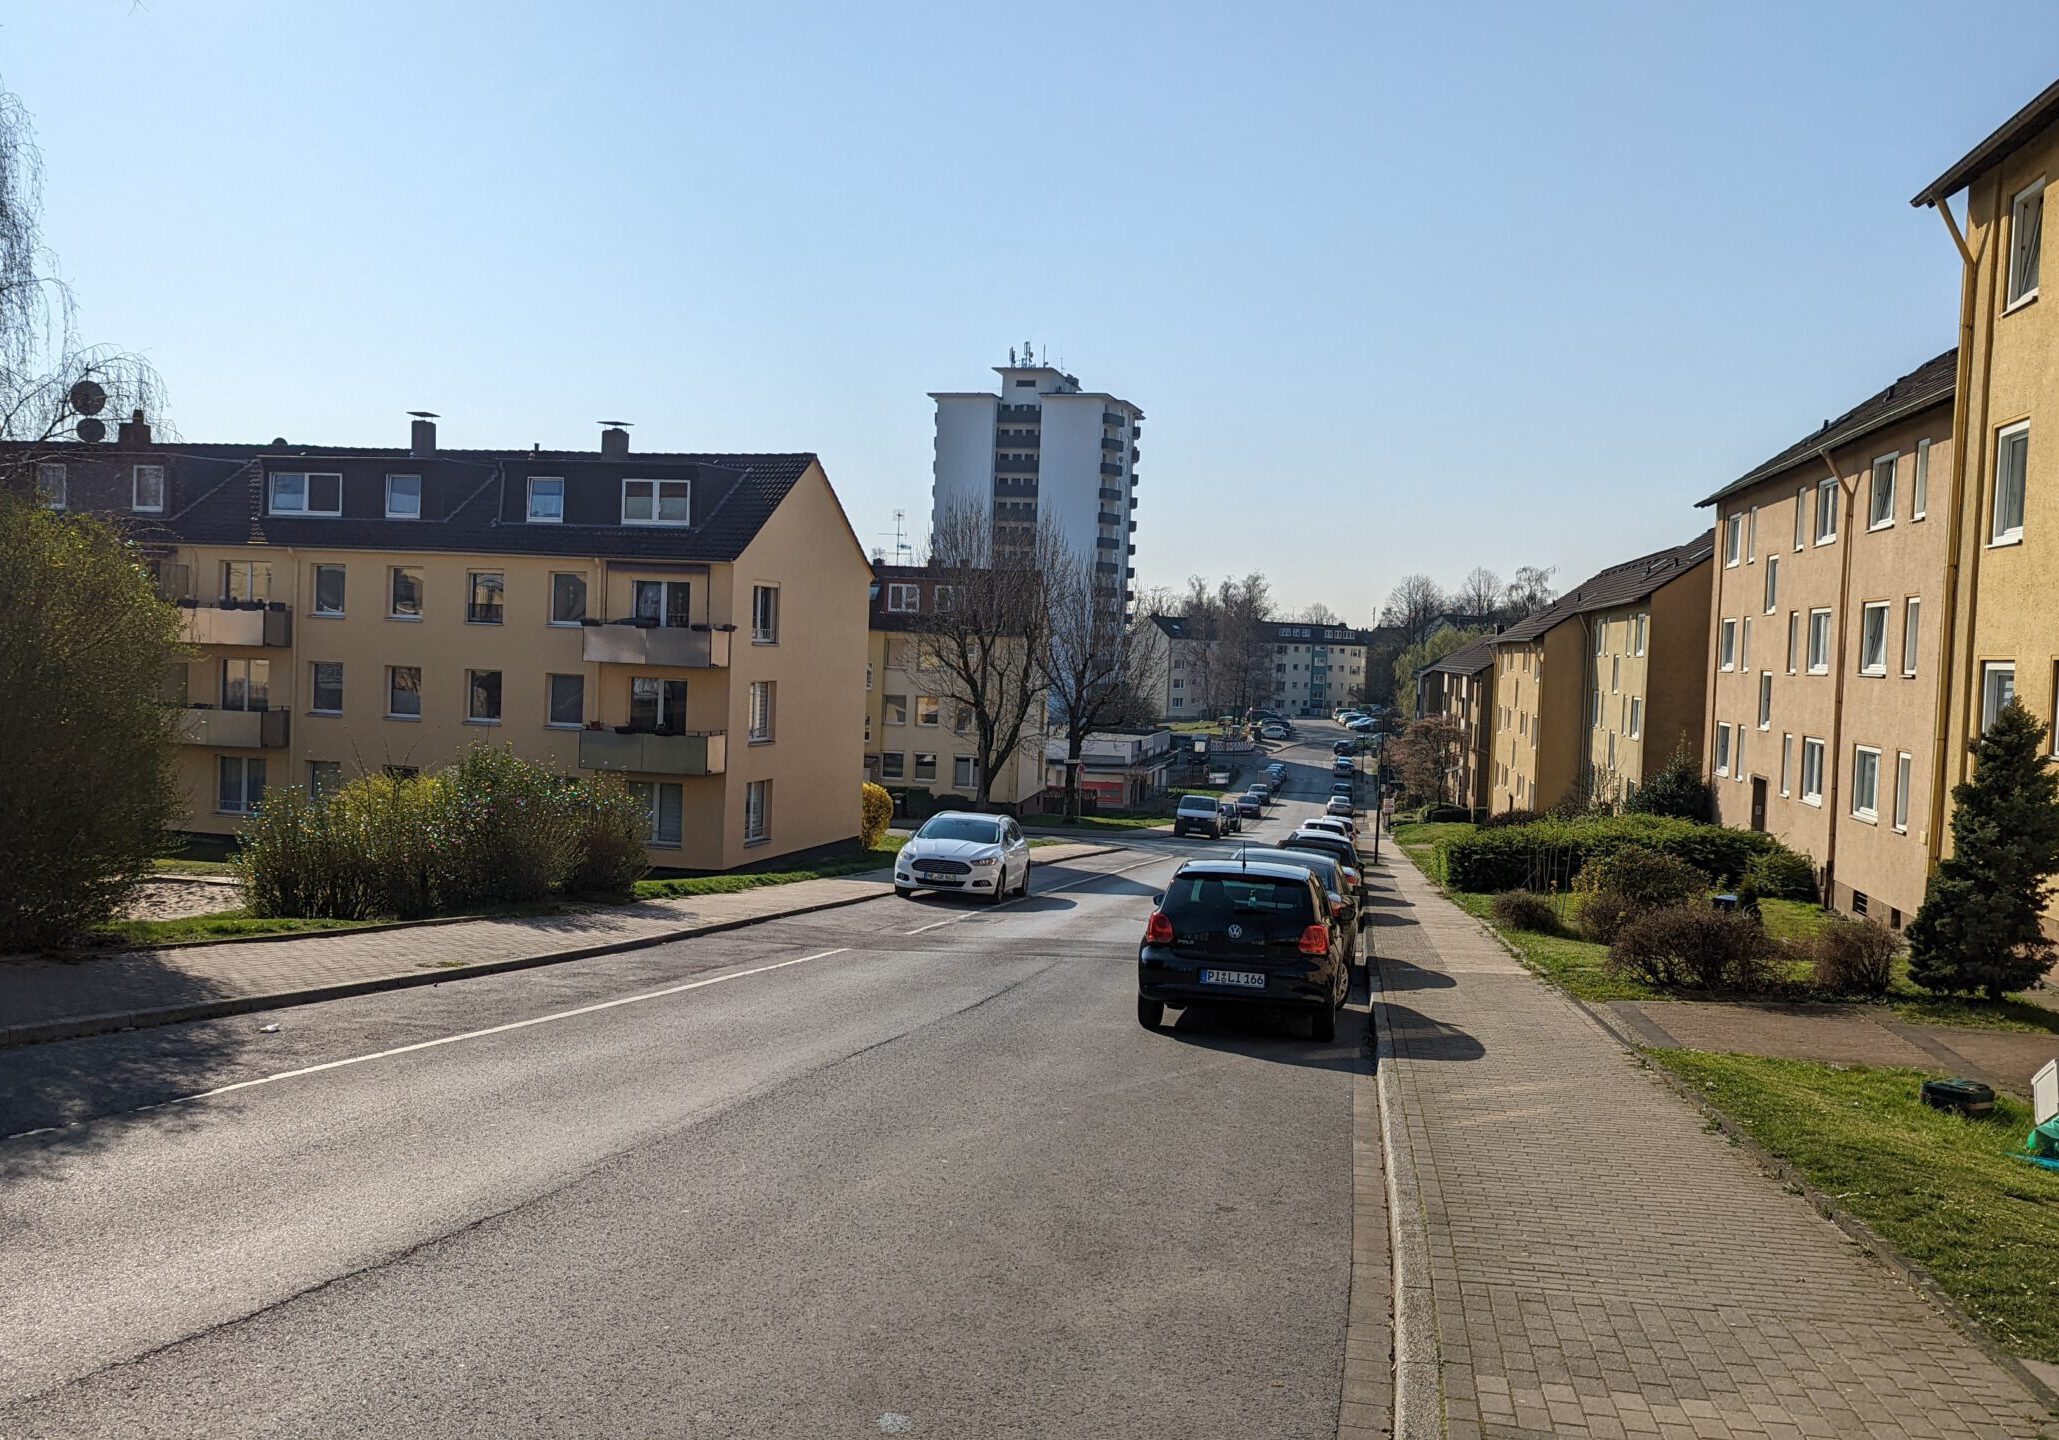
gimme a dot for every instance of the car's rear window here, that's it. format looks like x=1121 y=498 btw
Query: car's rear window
x=1196 y=898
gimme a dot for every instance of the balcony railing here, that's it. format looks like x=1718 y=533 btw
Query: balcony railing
x=1023 y=465
x=1107 y=542
x=234 y=729
x=700 y=752
x=1108 y=517
x=1108 y=494
x=211 y=625
x=1015 y=414
x=1109 y=442
x=685 y=647
x=1015 y=487
x=1108 y=469
x=1017 y=439
x=1109 y=417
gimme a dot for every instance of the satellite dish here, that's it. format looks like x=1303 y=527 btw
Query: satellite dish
x=87 y=397
x=92 y=431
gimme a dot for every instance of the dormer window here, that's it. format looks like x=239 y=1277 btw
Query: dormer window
x=904 y=599
x=656 y=502
x=546 y=500
x=297 y=492
x=403 y=497
x=149 y=488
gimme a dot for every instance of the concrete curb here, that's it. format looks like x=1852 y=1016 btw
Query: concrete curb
x=77 y=1027
x=1854 y=1228
x=1418 y=1383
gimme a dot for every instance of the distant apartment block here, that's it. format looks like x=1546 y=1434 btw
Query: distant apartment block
x=1304 y=669
x=1460 y=688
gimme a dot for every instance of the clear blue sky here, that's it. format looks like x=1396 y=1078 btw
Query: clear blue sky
x=1400 y=287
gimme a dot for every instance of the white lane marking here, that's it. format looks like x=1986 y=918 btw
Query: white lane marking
x=1058 y=890
x=937 y=926
x=467 y=1035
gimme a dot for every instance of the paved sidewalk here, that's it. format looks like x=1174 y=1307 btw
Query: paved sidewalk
x=46 y=999
x=1602 y=1266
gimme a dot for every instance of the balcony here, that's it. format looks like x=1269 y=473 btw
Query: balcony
x=684 y=647
x=1108 y=517
x=1108 y=469
x=1024 y=465
x=1005 y=488
x=1018 y=413
x=1108 y=494
x=1109 y=442
x=1107 y=542
x=1017 y=439
x=700 y=752
x=234 y=729
x=1109 y=417
x=212 y=625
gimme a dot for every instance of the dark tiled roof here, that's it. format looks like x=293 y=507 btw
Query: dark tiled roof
x=1929 y=384
x=1617 y=585
x=2012 y=132
x=1178 y=627
x=1468 y=659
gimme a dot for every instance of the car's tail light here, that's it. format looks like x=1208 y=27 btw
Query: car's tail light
x=1158 y=929
x=1350 y=875
x=1315 y=940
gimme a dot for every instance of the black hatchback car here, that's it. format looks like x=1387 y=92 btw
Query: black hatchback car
x=1230 y=932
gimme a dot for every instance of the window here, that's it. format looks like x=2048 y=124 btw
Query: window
x=324 y=777
x=50 y=486
x=904 y=599
x=1866 y=782
x=1826 y=512
x=656 y=502
x=925 y=766
x=1636 y=727
x=757 y=811
x=1772 y=583
x=664 y=805
x=1722 y=748
x=296 y=492
x=893 y=765
x=1733 y=540
x=1997 y=689
x=1912 y=624
x=482 y=697
x=1751 y=535
x=403 y=497
x=1801 y=516
x=1819 y=642
x=1919 y=492
x=761 y=711
x=328 y=589
x=246 y=580
x=567 y=598
x=1905 y=765
x=242 y=784
x=1794 y=625
x=764 y=614
x=1873 y=638
x=2012 y=462
x=1786 y=763
x=947 y=599
x=325 y=694
x=1812 y=770
x=1639 y=632
x=1615 y=674
x=964 y=775
x=404 y=600
x=148 y=488
x=894 y=709
x=1594 y=709
x=2026 y=227
x=403 y=692
x=546 y=500
x=1601 y=637
x=1880 y=502
x=1765 y=699
x=665 y=601
x=1727 y=651
x=868 y=677
x=928 y=710
x=1744 y=644
x=246 y=684
x=567 y=701
x=656 y=705
x=484 y=607
x=1737 y=759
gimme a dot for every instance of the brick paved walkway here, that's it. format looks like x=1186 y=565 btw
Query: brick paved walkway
x=36 y=992
x=1604 y=1267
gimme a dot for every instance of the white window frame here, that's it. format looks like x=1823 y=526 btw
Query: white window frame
x=1726 y=646
x=658 y=488
x=1812 y=747
x=1991 y=674
x=759 y=712
x=1640 y=634
x=305 y=510
x=403 y=514
x=52 y=487
x=1912 y=630
x=1873 y=637
x=1905 y=770
x=964 y=773
x=764 y=614
x=393 y=673
x=1751 y=536
x=242 y=764
x=1737 y=753
x=1829 y=498
x=535 y=518
x=1772 y=606
x=136 y=490
x=757 y=812
x=393 y=574
x=584 y=591
x=1794 y=633
x=1865 y=807
x=1821 y=667
x=1803 y=500
x=500 y=701
x=2026 y=244
x=651 y=794
x=314 y=589
x=1998 y=533
x=1744 y=643
x=1733 y=540
x=1919 y=488
x=1765 y=699
x=1636 y=717
x=904 y=598
x=1722 y=747
x=1787 y=763
x=1883 y=469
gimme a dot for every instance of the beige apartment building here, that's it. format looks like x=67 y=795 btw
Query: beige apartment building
x=1460 y=687
x=1826 y=620
x=1601 y=686
x=919 y=742
x=693 y=623
x=1314 y=668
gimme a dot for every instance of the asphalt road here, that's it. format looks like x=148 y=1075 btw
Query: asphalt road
x=910 y=1167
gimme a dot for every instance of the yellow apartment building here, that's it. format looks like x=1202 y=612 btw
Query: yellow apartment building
x=1603 y=684
x=1460 y=687
x=693 y=623
x=919 y=742
x=1826 y=623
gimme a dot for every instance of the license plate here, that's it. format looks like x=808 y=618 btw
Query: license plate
x=935 y=874
x=1249 y=979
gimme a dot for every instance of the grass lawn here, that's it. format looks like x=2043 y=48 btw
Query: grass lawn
x=216 y=925
x=1419 y=842
x=1110 y=823
x=1942 y=1190
x=878 y=857
x=224 y=868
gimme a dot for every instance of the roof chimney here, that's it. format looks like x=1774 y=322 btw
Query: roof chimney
x=615 y=438
x=134 y=431
x=422 y=434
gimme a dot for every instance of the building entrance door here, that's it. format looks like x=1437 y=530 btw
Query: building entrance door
x=1758 y=802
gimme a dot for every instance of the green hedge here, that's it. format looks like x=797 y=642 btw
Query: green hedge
x=1549 y=853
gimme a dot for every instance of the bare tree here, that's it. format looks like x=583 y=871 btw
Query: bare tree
x=1480 y=594
x=1097 y=672
x=1319 y=614
x=42 y=358
x=1426 y=756
x=1415 y=602
x=986 y=636
x=1528 y=593
x=1233 y=667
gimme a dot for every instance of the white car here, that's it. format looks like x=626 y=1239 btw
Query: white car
x=1335 y=824
x=983 y=855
